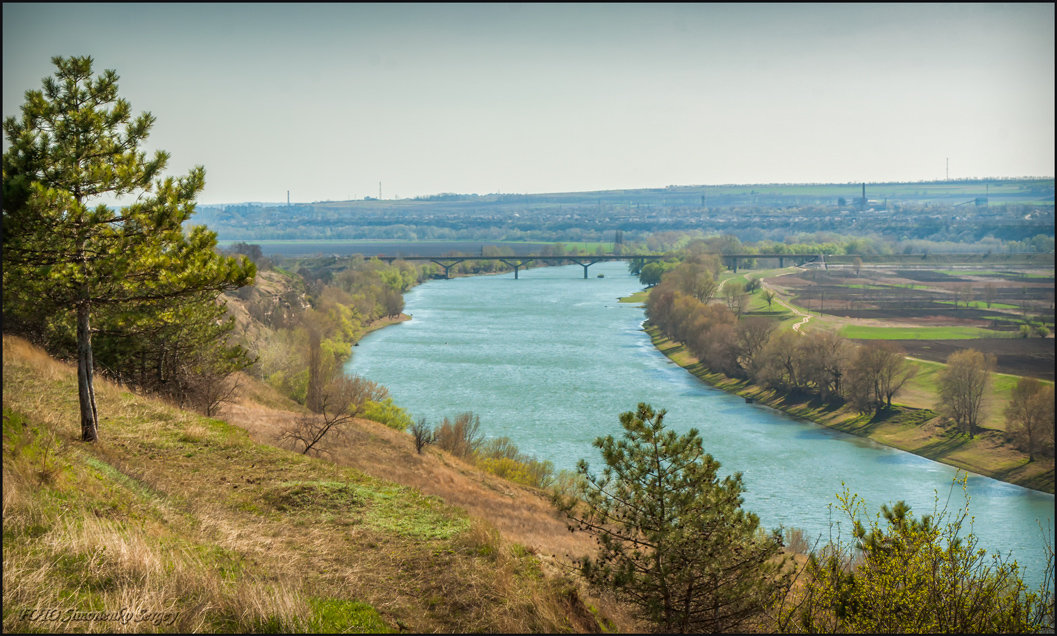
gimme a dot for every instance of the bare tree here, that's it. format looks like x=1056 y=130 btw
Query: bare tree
x=314 y=392
x=1030 y=417
x=422 y=434
x=343 y=400
x=694 y=279
x=963 y=388
x=778 y=362
x=965 y=292
x=990 y=293
x=737 y=299
x=211 y=389
x=878 y=372
x=753 y=333
x=824 y=356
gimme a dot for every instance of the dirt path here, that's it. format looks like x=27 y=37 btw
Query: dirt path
x=805 y=317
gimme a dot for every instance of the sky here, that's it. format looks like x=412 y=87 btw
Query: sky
x=342 y=101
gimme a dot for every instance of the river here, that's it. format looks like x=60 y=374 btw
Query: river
x=552 y=359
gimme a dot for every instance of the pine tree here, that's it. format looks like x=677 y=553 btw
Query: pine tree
x=673 y=539
x=66 y=251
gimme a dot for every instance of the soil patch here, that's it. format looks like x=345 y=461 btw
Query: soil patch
x=1033 y=357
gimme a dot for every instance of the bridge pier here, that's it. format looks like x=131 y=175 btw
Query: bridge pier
x=585 y=265
x=516 y=265
x=447 y=266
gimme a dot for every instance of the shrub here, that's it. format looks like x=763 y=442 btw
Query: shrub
x=422 y=434
x=501 y=456
x=460 y=437
x=796 y=541
x=924 y=575
x=388 y=413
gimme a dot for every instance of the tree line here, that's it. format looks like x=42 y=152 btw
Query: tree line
x=751 y=347
x=824 y=365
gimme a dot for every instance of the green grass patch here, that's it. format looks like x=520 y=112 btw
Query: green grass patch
x=382 y=506
x=858 y=332
x=410 y=513
x=979 y=304
x=638 y=297
x=927 y=378
x=340 y=616
x=995 y=273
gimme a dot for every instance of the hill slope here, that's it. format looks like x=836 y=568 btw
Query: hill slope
x=177 y=522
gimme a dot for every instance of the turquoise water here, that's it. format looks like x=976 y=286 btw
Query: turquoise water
x=552 y=359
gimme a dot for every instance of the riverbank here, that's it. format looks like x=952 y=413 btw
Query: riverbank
x=914 y=430
x=381 y=323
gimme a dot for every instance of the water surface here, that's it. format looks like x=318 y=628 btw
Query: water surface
x=552 y=359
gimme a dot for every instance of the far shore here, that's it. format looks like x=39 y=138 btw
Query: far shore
x=917 y=431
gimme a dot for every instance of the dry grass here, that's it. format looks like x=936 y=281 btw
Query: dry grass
x=521 y=514
x=173 y=512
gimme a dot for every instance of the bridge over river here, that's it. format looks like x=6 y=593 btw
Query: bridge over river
x=731 y=260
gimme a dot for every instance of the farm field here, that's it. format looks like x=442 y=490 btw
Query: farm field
x=970 y=303
x=931 y=314
x=1033 y=357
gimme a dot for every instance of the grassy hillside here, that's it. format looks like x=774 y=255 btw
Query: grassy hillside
x=175 y=522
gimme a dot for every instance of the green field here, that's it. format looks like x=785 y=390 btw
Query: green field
x=979 y=304
x=856 y=332
x=1000 y=274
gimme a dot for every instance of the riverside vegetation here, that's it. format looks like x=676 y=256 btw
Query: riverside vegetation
x=822 y=376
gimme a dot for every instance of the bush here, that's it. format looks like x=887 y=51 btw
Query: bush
x=925 y=575
x=533 y=473
x=385 y=412
x=796 y=542
x=460 y=437
x=501 y=456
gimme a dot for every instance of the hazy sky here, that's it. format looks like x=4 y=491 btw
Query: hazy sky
x=327 y=100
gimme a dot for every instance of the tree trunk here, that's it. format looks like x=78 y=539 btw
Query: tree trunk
x=85 y=390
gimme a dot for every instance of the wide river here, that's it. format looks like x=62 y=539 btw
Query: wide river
x=552 y=359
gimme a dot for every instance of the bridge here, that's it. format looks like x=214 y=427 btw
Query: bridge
x=731 y=260
x=517 y=262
